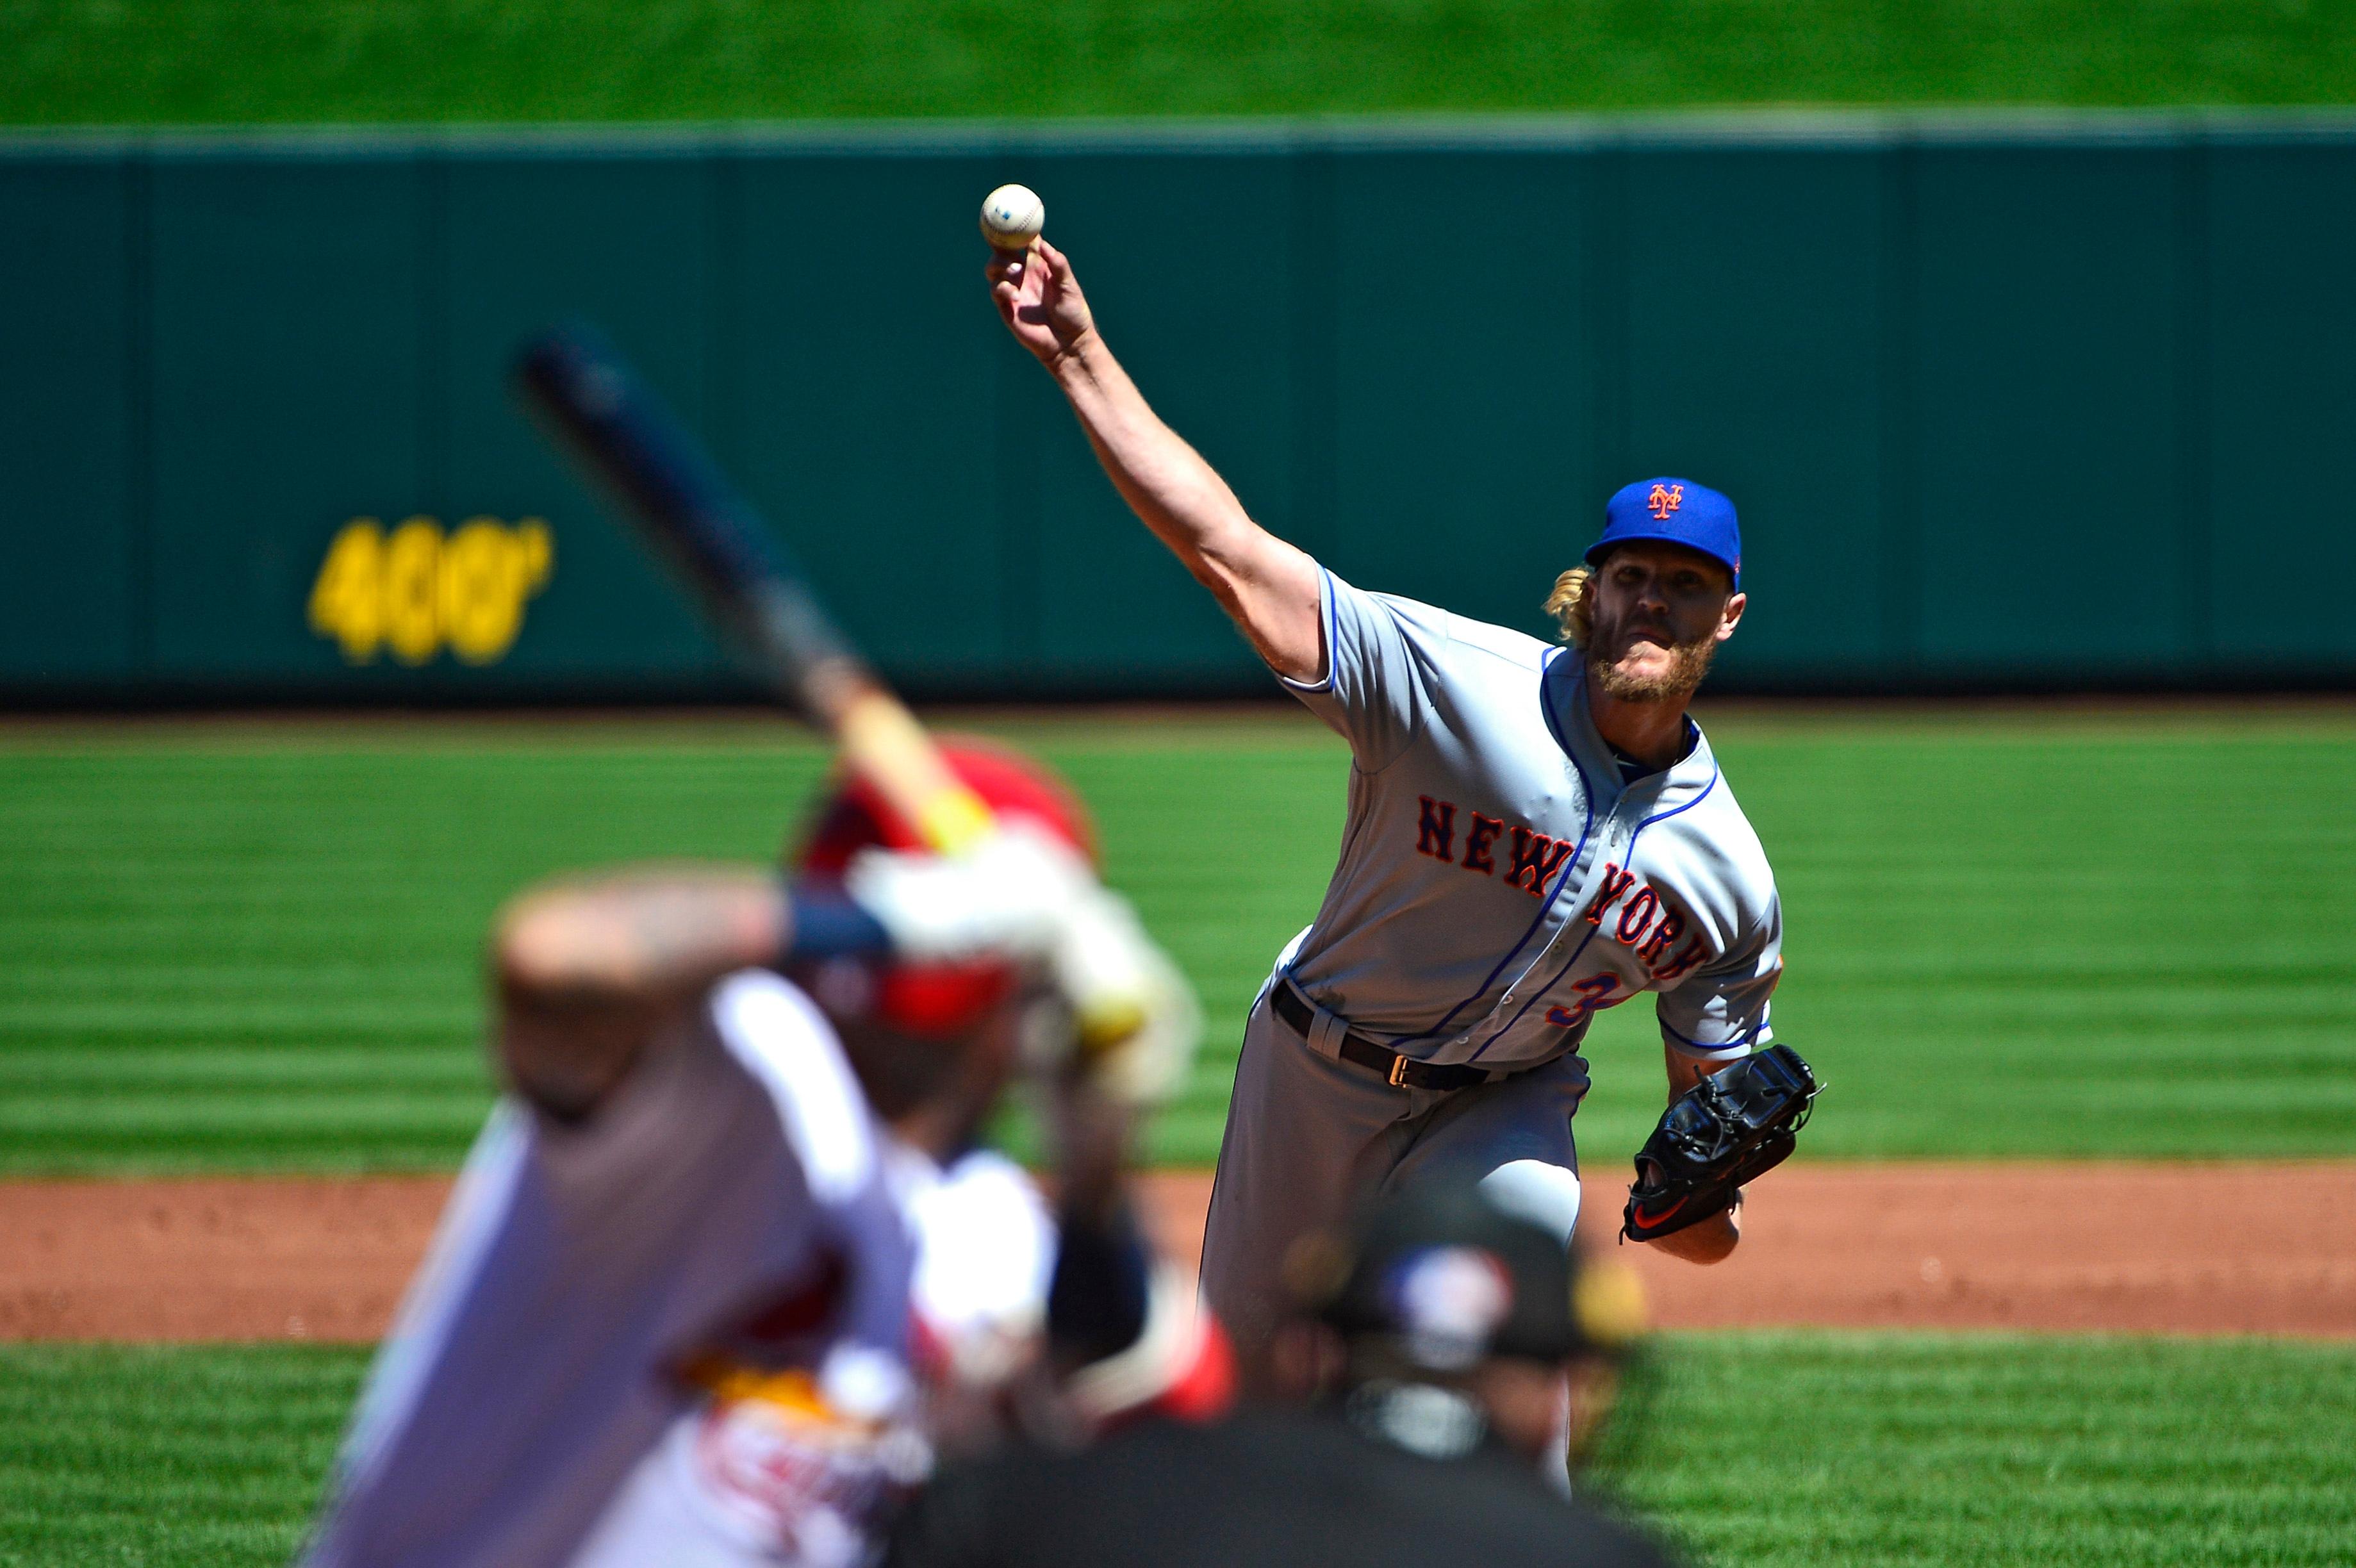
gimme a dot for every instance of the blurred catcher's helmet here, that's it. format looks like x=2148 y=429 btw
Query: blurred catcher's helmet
x=940 y=1001
x=1449 y=1275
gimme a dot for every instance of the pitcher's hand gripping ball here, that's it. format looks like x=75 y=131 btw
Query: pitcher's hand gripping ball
x=1738 y=1123
x=1011 y=217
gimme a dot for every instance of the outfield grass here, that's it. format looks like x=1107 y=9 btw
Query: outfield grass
x=258 y=948
x=1956 y=1451
x=215 y=61
x=185 y=1457
x=1758 y=1449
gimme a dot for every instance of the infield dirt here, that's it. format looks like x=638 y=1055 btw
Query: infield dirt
x=2238 y=1248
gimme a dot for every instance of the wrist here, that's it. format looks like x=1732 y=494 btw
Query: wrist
x=1078 y=360
x=823 y=924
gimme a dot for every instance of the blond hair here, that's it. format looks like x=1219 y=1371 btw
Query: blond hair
x=1572 y=604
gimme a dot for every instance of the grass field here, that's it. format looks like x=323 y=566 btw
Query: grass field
x=246 y=948
x=1865 y=1450
x=1773 y=1449
x=195 y=1458
x=164 y=61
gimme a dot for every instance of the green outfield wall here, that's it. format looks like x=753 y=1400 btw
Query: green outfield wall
x=2003 y=401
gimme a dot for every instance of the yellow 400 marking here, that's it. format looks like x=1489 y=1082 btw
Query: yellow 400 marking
x=414 y=590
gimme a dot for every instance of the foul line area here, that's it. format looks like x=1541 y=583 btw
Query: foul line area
x=2179 y=1248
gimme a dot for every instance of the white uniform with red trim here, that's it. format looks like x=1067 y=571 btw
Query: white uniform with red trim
x=714 y=1327
x=727 y=1210
x=747 y=1478
x=1503 y=878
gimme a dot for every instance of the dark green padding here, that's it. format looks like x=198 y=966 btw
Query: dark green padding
x=2001 y=401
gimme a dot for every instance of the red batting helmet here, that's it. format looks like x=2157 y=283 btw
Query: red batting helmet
x=935 y=1000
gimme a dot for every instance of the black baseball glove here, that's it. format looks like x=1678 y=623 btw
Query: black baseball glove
x=1735 y=1124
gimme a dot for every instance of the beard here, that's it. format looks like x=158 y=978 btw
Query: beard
x=1689 y=662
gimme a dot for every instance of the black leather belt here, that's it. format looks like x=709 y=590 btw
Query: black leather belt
x=1401 y=1072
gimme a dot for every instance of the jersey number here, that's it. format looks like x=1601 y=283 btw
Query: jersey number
x=1594 y=995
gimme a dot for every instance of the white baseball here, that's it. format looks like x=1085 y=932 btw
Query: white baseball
x=1011 y=217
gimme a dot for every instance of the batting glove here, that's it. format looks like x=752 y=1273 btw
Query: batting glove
x=1138 y=1023
x=1007 y=897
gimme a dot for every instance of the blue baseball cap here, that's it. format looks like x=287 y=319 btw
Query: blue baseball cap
x=1676 y=512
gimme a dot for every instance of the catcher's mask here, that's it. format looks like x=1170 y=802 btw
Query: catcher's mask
x=936 y=1000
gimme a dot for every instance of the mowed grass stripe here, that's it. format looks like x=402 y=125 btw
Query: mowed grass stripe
x=210 y=1457
x=2112 y=934
x=1870 y=1450
x=233 y=1065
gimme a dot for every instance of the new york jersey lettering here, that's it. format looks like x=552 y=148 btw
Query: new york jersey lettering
x=1637 y=916
x=1477 y=840
x=1615 y=882
x=1692 y=953
x=1537 y=858
x=1435 y=832
x=1648 y=951
x=1475 y=751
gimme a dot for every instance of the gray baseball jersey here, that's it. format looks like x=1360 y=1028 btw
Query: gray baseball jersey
x=1499 y=882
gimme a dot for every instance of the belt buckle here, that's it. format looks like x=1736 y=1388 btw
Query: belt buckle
x=1398 y=1075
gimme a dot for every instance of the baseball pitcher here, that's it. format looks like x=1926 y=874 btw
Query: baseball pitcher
x=1534 y=834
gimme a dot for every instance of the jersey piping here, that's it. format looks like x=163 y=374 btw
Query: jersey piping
x=1325 y=629
x=1744 y=1038
x=1325 y=685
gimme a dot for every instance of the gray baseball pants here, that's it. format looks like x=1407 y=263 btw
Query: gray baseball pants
x=1308 y=1133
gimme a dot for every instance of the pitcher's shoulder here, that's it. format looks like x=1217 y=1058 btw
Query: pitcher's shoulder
x=1463 y=636
x=1717 y=833
x=1728 y=821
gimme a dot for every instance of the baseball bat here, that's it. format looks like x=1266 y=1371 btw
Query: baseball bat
x=643 y=457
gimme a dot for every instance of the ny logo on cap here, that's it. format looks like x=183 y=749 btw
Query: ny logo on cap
x=1665 y=499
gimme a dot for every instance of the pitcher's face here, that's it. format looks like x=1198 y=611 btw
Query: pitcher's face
x=1659 y=612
